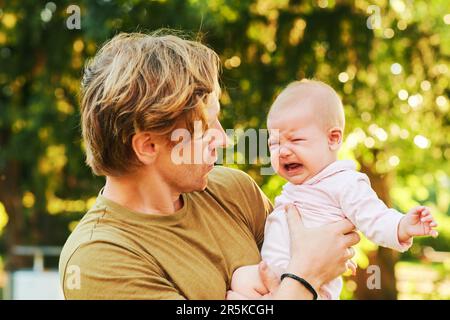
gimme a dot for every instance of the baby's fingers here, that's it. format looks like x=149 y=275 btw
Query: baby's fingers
x=433 y=233
x=424 y=211
x=421 y=209
x=427 y=218
x=417 y=210
x=352 y=266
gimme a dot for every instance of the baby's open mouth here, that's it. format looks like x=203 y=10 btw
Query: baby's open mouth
x=292 y=166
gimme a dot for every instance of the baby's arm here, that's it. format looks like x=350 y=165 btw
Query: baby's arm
x=252 y=282
x=372 y=217
x=246 y=282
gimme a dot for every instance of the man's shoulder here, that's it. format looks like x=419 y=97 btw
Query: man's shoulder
x=236 y=191
x=237 y=187
x=221 y=171
x=229 y=179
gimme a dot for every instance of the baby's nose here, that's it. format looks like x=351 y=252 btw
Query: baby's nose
x=284 y=152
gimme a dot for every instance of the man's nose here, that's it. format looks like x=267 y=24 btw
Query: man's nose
x=221 y=140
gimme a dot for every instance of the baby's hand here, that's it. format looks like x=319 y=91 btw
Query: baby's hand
x=253 y=282
x=417 y=222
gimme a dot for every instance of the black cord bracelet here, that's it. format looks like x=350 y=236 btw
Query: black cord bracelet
x=302 y=281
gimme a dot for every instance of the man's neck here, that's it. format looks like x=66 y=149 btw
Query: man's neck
x=146 y=194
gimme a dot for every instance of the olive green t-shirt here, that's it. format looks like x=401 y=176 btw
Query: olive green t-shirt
x=115 y=253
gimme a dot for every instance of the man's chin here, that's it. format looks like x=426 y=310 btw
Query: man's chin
x=204 y=183
x=204 y=179
x=200 y=185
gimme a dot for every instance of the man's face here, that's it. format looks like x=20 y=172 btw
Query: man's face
x=191 y=174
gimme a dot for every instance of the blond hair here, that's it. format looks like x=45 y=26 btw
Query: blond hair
x=324 y=100
x=142 y=82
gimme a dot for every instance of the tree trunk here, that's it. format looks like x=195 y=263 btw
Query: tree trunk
x=11 y=199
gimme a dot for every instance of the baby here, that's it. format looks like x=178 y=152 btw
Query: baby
x=306 y=125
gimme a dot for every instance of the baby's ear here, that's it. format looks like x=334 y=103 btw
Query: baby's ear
x=335 y=136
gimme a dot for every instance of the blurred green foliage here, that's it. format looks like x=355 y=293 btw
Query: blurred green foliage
x=394 y=82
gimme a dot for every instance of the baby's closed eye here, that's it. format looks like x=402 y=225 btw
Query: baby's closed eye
x=298 y=139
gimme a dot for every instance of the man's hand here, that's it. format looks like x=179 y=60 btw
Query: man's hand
x=417 y=222
x=317 y=254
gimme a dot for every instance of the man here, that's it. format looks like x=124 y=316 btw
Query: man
x=162 y=229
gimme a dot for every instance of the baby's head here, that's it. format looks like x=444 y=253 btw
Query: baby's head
x=306 y=125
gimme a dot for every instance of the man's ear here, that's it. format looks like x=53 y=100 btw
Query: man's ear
x=145 y=147
x=335 y=136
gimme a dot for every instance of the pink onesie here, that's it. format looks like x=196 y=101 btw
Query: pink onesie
x=335 y=193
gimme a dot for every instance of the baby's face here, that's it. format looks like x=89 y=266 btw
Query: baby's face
x=298 y=144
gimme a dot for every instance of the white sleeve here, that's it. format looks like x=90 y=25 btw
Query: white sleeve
x=370 y=215
x=276 y=247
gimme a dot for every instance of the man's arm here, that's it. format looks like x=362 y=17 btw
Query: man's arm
x=258 y=206
x=109 y=271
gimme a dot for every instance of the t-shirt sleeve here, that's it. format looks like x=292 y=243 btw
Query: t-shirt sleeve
x=370 y=215
x=103 y=270
x=258 y=209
